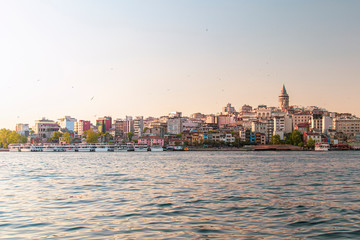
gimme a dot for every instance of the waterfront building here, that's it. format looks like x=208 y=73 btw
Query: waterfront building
x=174 y=125
x=45 y=128
x=22 y=129
x=152 y=140
x=120 y=127
x=327 y=123
x=67 y=122
x=81 y=126
x=190 y=125
x=244 y=135
x=316 y=121
x=226 y=120
x=138 y=126
x=212 y=119
x=347 y=125
x=129 y=124
x=301 y=117
x=257 y=126
x=313 y=135
x=228 y=138
x=263 y=112
x=104 y=124
x=283 y=99
x=260 y=138
x=302 y=127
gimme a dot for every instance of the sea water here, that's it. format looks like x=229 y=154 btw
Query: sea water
x=180 y=195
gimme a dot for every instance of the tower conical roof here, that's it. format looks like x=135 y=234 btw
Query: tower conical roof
x=283 y=91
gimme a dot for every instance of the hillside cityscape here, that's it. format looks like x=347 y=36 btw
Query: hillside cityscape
x=261 y=125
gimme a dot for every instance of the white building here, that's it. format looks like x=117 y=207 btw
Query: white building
x=327 y=123
x=67 y=122
x=22 y=129
x=174 y=126
x=138 y=126
x=45 y=128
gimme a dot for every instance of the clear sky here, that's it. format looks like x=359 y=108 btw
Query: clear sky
x=88 y=58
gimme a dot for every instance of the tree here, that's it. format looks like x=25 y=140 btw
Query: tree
x=296 y=138
x=311 y=143
x=67 y=137
x=55 y=137
x=7 y=137
x=275 y=139
x=130 y=135
x=91 y=136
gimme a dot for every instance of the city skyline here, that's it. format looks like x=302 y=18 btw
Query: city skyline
x=150 y=58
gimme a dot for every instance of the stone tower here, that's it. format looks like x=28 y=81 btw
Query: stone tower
x=283 y=99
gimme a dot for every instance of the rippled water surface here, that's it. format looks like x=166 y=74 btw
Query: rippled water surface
x=180 y=195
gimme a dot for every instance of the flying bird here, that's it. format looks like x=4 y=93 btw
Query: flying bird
x=92 y=98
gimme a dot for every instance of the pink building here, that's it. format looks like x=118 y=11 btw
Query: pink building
x=81 y=126
x=152 y=140
x=224 y=120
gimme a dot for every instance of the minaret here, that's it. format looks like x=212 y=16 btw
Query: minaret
x=284 y=99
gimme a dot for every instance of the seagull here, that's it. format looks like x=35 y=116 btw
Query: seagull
x=92 y=98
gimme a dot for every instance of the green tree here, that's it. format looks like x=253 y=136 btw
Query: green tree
x=55 y=137
x=296 y=138
x=67 y=137
x=91 y=136
x=275 y=139
x=130 y=135
x=311 y=143
x=7 y=137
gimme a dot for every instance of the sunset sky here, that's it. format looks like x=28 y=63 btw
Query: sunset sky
x=89 y=58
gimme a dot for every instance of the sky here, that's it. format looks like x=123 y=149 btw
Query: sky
x=88 y=58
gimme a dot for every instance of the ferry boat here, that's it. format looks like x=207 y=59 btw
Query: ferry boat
x=70 y=148
x=322 y=147
x=30 y=148
x=14 y=148
x=85 y=147
x=156 y=148
x=140 y=148
x=130 y=147
x=120 y=148
x=53 y=148
x=101 y=147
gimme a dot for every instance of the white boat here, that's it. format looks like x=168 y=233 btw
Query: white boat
x=130 y=147
x=120 y=148
x=70 y=148
x=156 y=148
x=140 y=148
x=48 y=148
x=84 y=147
x=101 y=147
x=322 y=147
x=14 y=148
x=25 y=148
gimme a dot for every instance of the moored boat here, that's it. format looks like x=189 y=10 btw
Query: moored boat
x=322 y=147
x=140 y=148
x=156 y=148
x=14 y=148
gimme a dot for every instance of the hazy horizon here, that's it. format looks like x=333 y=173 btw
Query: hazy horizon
x=86 y=58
